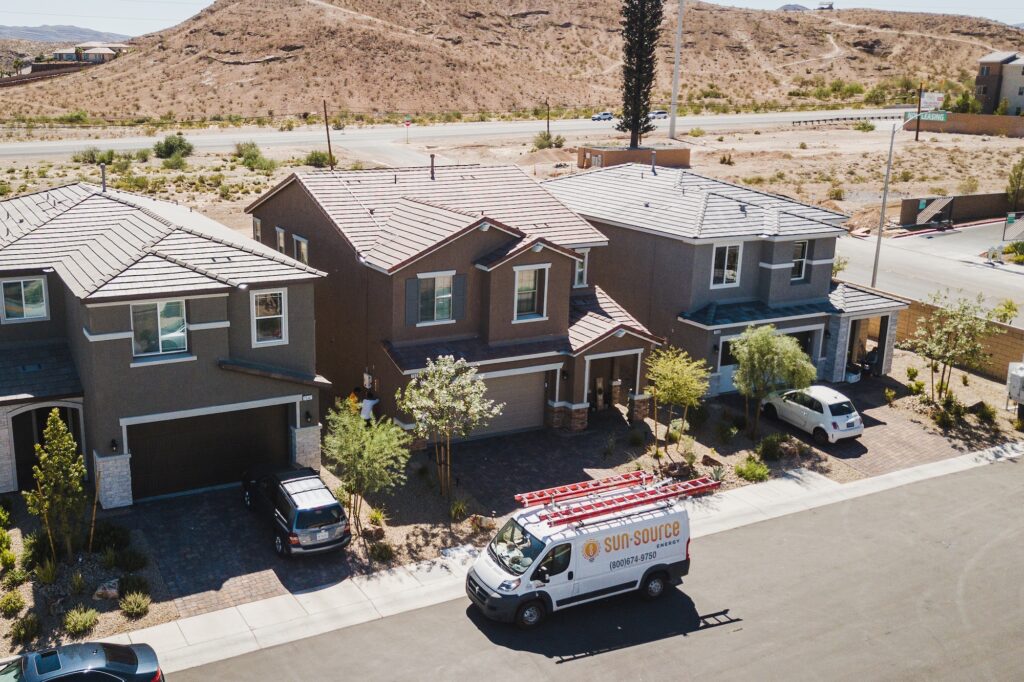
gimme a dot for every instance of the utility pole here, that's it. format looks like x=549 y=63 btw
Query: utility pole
x=920 y=95
x=548 y=107
x=675 y=72
x=327 y=125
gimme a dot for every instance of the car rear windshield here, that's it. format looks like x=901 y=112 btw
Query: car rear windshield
x=840 y=409
x=122 y=655
x=317 y=518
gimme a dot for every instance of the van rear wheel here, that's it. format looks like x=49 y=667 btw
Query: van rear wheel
x=654 y=586
x=530 y=615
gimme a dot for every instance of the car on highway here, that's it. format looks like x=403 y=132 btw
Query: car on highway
x=825 y=413
x=304 y=515
x=603 y=116
x=657 y=113
x=85 y=662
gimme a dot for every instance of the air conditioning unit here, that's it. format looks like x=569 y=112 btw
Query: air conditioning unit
x=1015 y=381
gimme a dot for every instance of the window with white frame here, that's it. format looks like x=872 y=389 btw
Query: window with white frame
x=531 y=292
x=25 y=299
x=280 y=239
x=301 y=249
x=799 y=262
x=984 y=70
x=580 y=276
x=725 y=270
x=269 y=317
x=159 y=328
x=435 y=297
x=257 y=229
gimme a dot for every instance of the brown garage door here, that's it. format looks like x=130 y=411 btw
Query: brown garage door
x=523 y=395
x=182 y=454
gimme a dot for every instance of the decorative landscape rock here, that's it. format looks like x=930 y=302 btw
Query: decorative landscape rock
x=107 y=590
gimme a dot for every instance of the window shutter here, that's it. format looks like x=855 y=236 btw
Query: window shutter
x=412 y=301
x=459 y=297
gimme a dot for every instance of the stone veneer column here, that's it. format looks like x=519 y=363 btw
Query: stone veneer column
x=578 y=417
x=113 y=474
x=617 y=392
x=555 y=416
x=639 y=408
x=7 y=467
x=835 y=365
x=306 y=446
x=890 y=342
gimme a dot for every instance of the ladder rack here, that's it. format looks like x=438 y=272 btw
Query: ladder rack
x=575 y=490
x=628 y=500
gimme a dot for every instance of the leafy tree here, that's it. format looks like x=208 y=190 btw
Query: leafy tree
x=1015 y=185
x=368 y=457
x=951 y=336
x=964 y=104
x=1005 y=311
x=767 y=361
x=676 y=380
x=446 y=400
x=641 y=29
x=1003 y=108
x=59 y=498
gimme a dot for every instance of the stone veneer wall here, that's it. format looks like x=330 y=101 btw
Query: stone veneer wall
x=7 y=465
x=114 y=476
x=639 y=408
x=306 y=446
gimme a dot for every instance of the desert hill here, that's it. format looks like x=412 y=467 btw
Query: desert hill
x=263 y=57
x=58 y=34
x=20 y=49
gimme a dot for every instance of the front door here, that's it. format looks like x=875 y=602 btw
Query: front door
x=555 y=576
x=28 y=430
x=726 y=368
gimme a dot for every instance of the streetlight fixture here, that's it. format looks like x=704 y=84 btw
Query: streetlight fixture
x=885 y=192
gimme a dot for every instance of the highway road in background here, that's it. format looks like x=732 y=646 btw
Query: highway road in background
x=918 y=266
x=916 y=583
x=390 y=140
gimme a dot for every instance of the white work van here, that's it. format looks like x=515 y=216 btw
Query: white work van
x=586 y=541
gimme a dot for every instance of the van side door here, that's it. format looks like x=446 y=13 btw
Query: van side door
x=554 y=574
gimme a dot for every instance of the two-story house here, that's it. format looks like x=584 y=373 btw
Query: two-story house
x=996 y=71
x=698 y=260
x=179 y=352
x=481 y=263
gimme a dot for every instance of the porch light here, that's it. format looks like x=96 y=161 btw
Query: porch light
x=565 y=374
x=113 y=445
x=714 y=348
x=309 y=417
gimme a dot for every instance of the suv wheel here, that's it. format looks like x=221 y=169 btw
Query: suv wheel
x=820 y=437
x=654 y=586
x=280 y=547
x=530 y=615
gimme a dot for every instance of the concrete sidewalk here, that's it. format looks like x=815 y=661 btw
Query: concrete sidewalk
x=231 y=632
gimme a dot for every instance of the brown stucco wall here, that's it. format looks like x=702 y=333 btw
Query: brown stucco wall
x=53 y=328
x=973 y=124
x=502 y=299
x=668 y=157
x=964 y=208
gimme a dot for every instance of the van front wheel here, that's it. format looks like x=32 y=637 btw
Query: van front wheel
x=530 y=615
x=654 y=586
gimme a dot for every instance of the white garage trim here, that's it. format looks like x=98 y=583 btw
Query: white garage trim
x=519 y=370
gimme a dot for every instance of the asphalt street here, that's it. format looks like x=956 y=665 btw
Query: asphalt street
x=386 y=144
x=919 y=582
x=916 y=267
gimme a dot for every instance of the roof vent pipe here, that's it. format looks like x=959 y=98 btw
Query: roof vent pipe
x=654 y=163
x=431 y=166
x=103 y=177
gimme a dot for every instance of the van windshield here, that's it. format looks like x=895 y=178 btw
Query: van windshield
x=514 y=548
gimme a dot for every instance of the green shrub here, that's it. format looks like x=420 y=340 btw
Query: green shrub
x=986 y=413
x=33 y=550
x=836 y=193
x=142 y=155
x=752 y=469
x=14 y=577
x=864 y=126
x=770 y=448
x=637 y=437
x=726 y=160
x=803 y=145
x=80 y=620
x=173 y=145
x=5 y=539
x=252 y=158
x=175 y=162
x=954 y=407
x=130 y=560
x=109 y=558
x=11 y=604
x=25 y=629
x=717 y=473
x=77 y=583
x=319 y=159
x=8 y=559
x=916 y=387
x=112 y=535
x=672 y=436
x=457 y=511
x=544 y=140
x=46 y=572
x=890 y=396
x=912 y=373
x=5 y=518
x=381 y=552
x=727 y=431
x=377 y=516
x=944 y=420
x=965 y=380
x=127 y=584
x=1018 y=424
x=135 y=604
x=696 y=132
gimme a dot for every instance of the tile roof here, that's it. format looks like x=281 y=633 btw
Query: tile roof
x=844 y=298
x=594 y=315
x=682 y=204
x=412 y=357
x=998 y=57
x=37 y=370
x=413 y=227
x=361 y=204
x=115 y=244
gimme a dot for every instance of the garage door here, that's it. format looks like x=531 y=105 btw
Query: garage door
x=182 y=454
x=523 y=395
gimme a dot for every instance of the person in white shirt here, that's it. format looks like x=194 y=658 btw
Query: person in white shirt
x=369 y=402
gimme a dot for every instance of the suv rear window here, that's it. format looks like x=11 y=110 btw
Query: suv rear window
x=317 y=518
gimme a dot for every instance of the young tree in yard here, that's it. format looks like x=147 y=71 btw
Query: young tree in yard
x=676 y=380
x=641 y=29
x=446 y=400
x=368 y=457
x=765 y=362
x=1015 y=186
x=951 y=336
x=59 y=498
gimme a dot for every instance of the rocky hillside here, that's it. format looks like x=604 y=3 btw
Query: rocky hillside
x=260 y=57
x=19 y=49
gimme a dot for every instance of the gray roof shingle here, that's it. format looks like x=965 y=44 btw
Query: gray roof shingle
x=37 y=370
x=682 y=204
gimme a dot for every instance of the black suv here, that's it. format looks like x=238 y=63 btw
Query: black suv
x=306 y=517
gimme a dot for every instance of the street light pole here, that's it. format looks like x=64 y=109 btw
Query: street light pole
x=675 y=72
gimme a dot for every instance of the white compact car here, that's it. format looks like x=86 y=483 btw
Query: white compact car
x=603 y=116
x=826 y=414
x=658 y=113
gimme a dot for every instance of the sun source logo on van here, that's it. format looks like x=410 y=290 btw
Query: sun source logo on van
x=591 y=549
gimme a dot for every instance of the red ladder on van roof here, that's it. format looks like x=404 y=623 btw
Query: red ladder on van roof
x=574 y=490
x=629 y=500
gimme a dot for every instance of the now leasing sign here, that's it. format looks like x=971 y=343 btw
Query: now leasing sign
x=940 y=116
